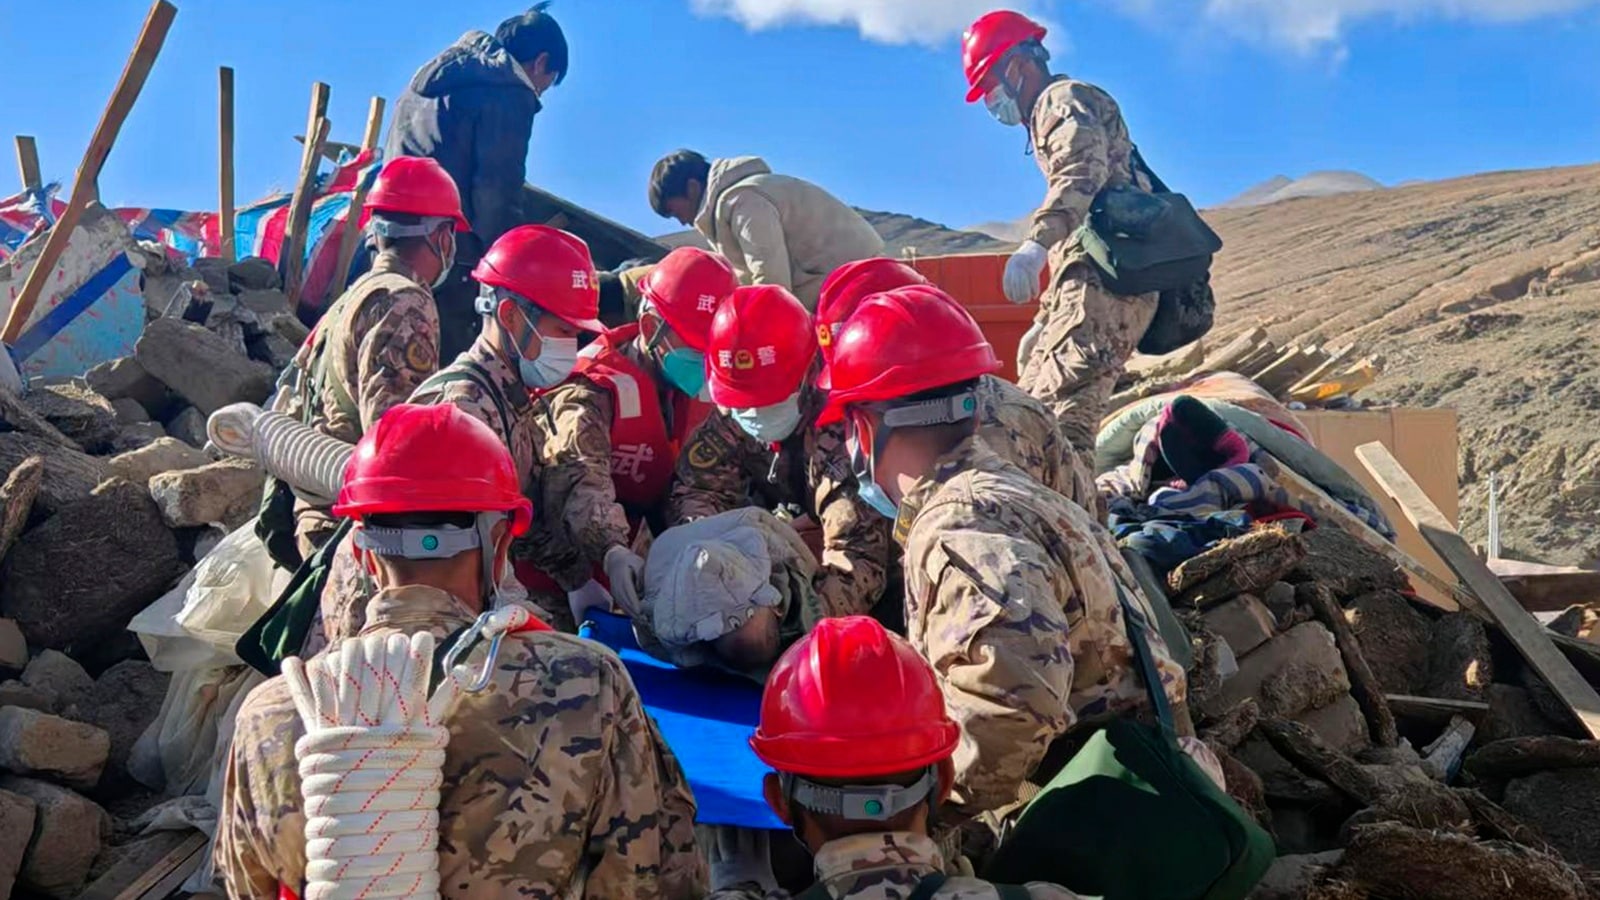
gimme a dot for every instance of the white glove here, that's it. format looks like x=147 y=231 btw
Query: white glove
x=591 y=596
x=625 y=570
x=741 y=856
x=1023 y=270
x=1030 y=339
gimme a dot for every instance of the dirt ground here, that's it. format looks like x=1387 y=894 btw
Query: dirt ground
x=1482 y=294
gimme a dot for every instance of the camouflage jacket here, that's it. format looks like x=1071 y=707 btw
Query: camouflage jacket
x=888 y=866
x=374 y=345
x=556 y=782
x=1024 y=433
x=1011 y=593
x=344 y=600
x=1081 y=145
x=722 y=468
x=580 y=495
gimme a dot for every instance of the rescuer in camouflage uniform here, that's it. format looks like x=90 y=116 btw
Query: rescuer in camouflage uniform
x=1083 y=334
x=766 y=448
x=1018 y=427
x=380 y=338
x=860 y=772
x=556 y=782
x=619 y=422
x=1012 y=592
x=489 y=383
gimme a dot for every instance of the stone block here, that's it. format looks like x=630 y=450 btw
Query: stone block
x=189 y=426
x=125 y=379
x=130 y=412
x=54 y=671
x=69 y=474
x=15 y=693
x=1295 y=671
x=160 y=456
x=68 y=834
x=77 y=412
x=17 y=814
x=41 y=745
x=200 y=366
x=225 y=493
x=1244 y=622
x=13 y=647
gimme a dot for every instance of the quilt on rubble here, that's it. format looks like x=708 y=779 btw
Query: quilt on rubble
x=706 y=717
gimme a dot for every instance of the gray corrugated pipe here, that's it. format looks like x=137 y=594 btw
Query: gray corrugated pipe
x=304 y=458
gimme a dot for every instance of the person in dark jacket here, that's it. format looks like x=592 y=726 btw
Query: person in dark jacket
x=471 y=108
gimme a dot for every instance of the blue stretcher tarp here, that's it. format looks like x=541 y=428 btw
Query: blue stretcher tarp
x=707 y=718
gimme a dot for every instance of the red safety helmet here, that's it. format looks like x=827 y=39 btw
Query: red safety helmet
x=988 y=41
x=686 y=288
x=907 y=341
x=416 y=185
x=547 y=268
x=852 y=283
x=761 y=347
x=851 y=700
x=432 y=459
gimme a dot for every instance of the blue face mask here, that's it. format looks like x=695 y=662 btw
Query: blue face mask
x=685 y=369
x=770 y=424
x=1003 y=106
x=866 y=486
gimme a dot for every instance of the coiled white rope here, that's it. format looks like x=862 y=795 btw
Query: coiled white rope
x=372 y=758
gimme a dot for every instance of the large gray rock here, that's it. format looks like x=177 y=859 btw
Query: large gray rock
x=17 y=493
x=13 y=647
x=200 y=366
x=164 y=455
x=1565 y=807
x=124 y=701
x=130 y=412
x=189 y=426
x=1394 y=639
x=1244 y=622
x=214 y=271
x=17 y=814
x=78 y=578
x=137 y=436
x=77 y=412
x=1296 y=671
x=69 y=473
x=125 y=379
x=225 y=493
x=15 y=693
x=40 y=745
x=67 y=835
x=57 y=673
x=252 y=274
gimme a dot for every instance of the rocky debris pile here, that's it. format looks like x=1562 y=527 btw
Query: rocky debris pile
x=1393 y=750
x=107 y=498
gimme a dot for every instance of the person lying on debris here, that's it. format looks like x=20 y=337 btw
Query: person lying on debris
x=537 y=295
x=378 y=341
x=472 y=108
x=1012 y=591
x=765 y=446
x=774 y=229
x=555 y=781
x=1018 y=427
x=860 y=774
x=616 y=424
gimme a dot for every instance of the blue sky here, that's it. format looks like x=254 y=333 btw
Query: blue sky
x=1220 y=94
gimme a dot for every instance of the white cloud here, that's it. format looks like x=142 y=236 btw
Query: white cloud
x=888 y=21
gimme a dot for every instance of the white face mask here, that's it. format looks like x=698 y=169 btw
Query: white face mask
x=770 y=424
x=557 y=358
x=446 y=263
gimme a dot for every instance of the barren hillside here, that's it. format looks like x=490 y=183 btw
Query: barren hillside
x=1483 y=294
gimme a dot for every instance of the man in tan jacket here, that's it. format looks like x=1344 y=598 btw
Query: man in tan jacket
x=775 y=229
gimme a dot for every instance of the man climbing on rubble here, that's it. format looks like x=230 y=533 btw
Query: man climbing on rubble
x=765 y=446
x=1015 y=425
x=860 y=773
x=380 y=339
x=1012 y=592
x=775 y=229
x=555 y=781
x=471 y=108
x=538 y=294
x=616 y=426
x=1083 y=334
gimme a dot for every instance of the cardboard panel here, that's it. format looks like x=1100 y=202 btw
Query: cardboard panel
x=1425 y=442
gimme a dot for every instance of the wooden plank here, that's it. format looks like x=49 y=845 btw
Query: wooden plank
x=1287 y=369
x=1327 y=366
x=352 y=218
x=84 y=186
x=1432 y=709
x=1553 y=592
x=1330 y=511
x=291 y=262
x=332 y=151
x=225 y=211
x=1265 y=358
x=137 y=877
x=28 y=162
x=1229 y=356
x=1362 y=375
x=1530 y=638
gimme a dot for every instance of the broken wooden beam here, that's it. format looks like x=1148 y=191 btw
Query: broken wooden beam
x=1434 y=710
x=136 y=878
x=1530 y=637
x=1322 y=370
x=1553 y=592
x=84 y=186
x=291 y=259
x=349 y=238
x=1229 y=356
x=225 y=161
x=1329 y=511
x=28 y=163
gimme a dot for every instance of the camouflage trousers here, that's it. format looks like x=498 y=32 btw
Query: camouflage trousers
x=1086 y=334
